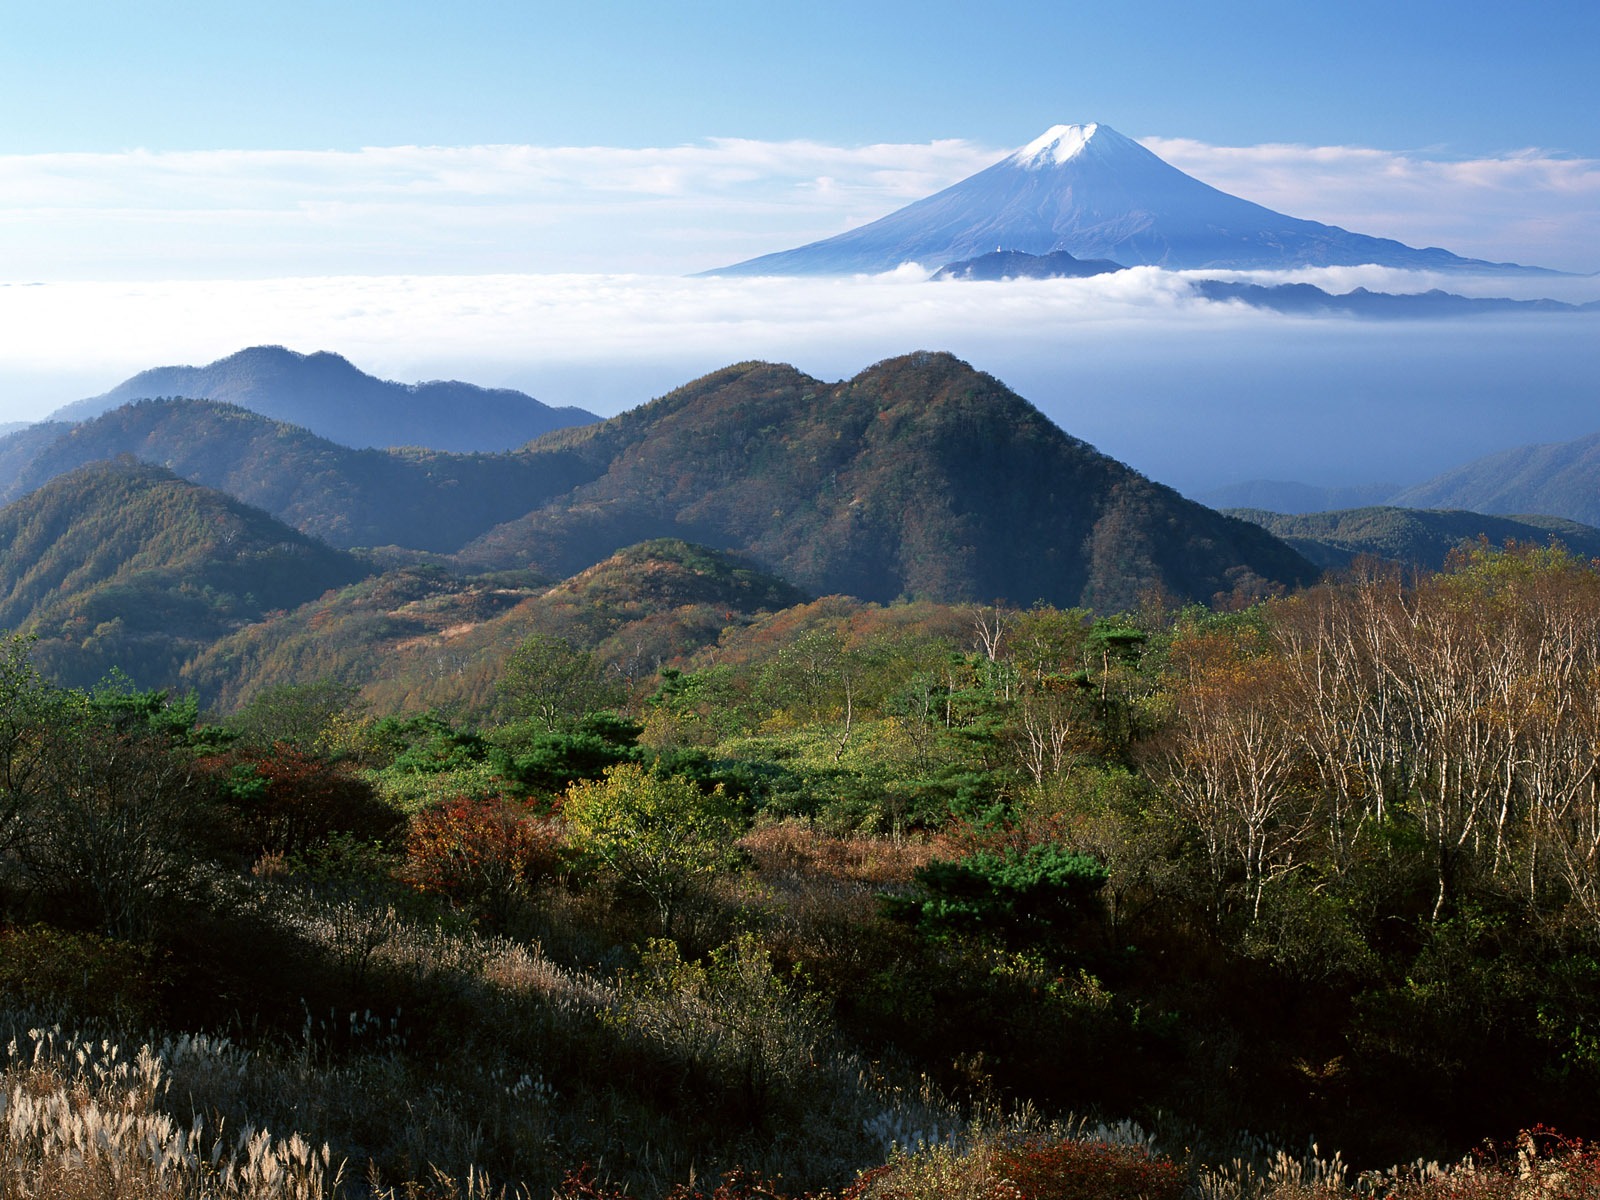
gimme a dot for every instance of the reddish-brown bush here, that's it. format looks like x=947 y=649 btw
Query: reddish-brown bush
x=794 y=847
x=1074 y=1170
x=480 y=854
x=287 y=799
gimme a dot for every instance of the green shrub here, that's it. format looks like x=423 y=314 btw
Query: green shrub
x=659 y=834
x=1011 y=893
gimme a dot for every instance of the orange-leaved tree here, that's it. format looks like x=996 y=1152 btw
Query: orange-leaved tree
x=481 y=854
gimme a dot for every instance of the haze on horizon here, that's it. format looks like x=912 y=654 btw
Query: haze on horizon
x=511 y=197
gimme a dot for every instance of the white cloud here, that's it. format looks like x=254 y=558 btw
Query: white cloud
x=406 y=326
x=401 y=323
x=446 y=209
x=1530 y=206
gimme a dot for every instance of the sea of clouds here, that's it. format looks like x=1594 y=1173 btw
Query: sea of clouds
x=1194 y=393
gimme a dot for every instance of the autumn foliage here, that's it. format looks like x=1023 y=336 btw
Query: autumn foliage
x=289 y=798
x=1074 y=1170
x=480 y=854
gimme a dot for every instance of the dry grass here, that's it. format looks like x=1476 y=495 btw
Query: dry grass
x=799 y=847
x=81 y=1120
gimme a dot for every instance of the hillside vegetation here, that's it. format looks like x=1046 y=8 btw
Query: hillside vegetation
x=124 y=565
x=1414 y=537
x=858 y=898
x=419 y=638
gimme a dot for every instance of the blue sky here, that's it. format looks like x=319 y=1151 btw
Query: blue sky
x=511 y=193
x=1467 y=77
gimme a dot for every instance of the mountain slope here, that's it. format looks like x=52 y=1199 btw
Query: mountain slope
x=919 y=477
x=1307 y=298
x=1559 y=478
x=124 y=564
x=1091 y=191
x=416 y=638
x=329 y=396
x=19 y=449
x=420 y=499
x=1014 y=264
x=1284 y=496
x=1416 y=537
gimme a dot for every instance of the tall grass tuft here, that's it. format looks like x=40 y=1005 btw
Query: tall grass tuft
x=82 y=1120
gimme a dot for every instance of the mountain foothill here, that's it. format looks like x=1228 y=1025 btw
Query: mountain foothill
x=919 y=478
x=124 y=565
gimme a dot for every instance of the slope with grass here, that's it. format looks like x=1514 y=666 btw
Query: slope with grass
x=419 y=638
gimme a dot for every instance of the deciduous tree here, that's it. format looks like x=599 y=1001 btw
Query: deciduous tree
x=660 y=834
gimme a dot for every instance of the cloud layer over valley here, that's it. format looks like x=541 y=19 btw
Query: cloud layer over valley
x=1191 y=392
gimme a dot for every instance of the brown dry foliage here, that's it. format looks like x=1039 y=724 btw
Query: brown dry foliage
x=788 y=848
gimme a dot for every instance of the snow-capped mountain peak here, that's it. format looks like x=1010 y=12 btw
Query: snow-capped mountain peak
x=1096 y=194
x=1054 y=146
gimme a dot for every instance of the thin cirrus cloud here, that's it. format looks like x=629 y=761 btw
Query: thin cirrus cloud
x=447 y=209
x=495 y=209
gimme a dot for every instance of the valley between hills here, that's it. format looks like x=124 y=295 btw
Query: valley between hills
x=843 y=786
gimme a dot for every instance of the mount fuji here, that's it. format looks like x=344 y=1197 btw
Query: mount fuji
x=1089 y=190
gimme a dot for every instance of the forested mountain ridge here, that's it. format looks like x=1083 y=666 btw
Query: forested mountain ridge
x=330 y=396
x=125 y=565
x=919 y=477
x=1560 y=478
x=1413 y=537
x=19 y=448
x=424 y=500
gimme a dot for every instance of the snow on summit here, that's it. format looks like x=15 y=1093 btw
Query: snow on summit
x=1054 y=146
